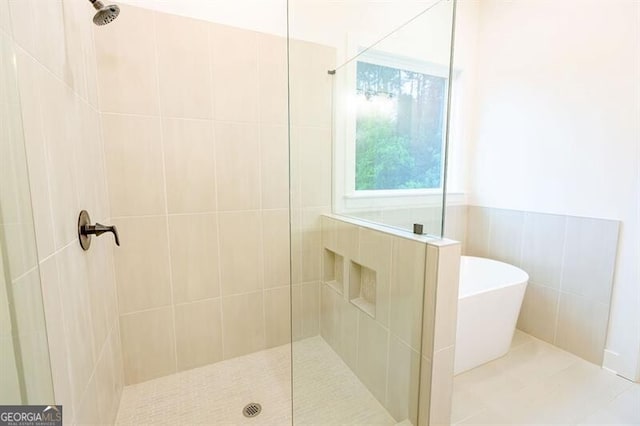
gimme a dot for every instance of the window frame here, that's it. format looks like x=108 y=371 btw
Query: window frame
x=347 y=196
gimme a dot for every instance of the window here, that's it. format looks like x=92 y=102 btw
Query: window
x=400 y=124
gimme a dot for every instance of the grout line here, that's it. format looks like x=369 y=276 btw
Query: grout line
x=261 y=257
x=215 y=184
x=559 y=289
x=387 y=369
x=214 y=120
x=115 y=327
x=164 y=184
x=482 y=410
x=209 y=212
x=15 y=281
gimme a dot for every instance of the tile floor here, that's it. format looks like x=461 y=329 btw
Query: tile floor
x=537 y=383
x=327 y=392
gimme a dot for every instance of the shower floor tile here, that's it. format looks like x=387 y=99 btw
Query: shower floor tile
x=327 y=392
x=537 y=383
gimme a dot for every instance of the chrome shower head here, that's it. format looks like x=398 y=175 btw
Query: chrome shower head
x=105 y=14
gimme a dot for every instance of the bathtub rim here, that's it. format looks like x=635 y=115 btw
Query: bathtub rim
x=488 y=290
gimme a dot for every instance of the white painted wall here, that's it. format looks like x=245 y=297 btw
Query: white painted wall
x=557 y=128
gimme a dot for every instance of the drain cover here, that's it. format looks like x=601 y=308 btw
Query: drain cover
x=252 y=409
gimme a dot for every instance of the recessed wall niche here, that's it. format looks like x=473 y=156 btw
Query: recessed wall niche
x=333 y=273
x=362 y=288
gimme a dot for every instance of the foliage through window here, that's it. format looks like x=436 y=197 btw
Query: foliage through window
x=399 y=128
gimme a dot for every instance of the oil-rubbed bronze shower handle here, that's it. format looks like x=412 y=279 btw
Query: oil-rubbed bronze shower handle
x=86 y=230
x=99 y=229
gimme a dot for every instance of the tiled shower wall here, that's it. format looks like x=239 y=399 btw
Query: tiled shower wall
x=24 y=359
x=56 y=68
x=195 y=127
x=570 y=261
x=398 y=334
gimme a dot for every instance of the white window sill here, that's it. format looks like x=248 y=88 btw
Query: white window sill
x=384 y=200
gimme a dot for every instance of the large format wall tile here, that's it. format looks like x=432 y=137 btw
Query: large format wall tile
x=274 y=166
x=87 y=412
x=311 y=85
x=237 y=166
x=542 y=248
x=148 y=344
x=272 y=79
x=77 y=53
x=310 y=306
x=407 y=283
x=61 y=127
x=590 y=257
x=478 y=227
x=441 y=387
x=403 y=379
x=184 y=66
x=243 y=326
x=275 y=247
x=234 y=55
x=5 y=20
x=92 y=183
x=277 y=325
x=48 y=24
x=310 y=249
x=582 y=326
x=314 y=165
x=198 y=333
x=75 y=299
x=189 y=162
x=446 y=292
x=240 y=252
x=538 y=315
x=106 y=378
x=22 y=23
x=193 y=243
x=33 y=76
x=142 y=264
x=133 y=152
x=58 y=351
x=29 y=333
x=372 y=355
x=505 y=236
x=102 y=291
x=126 y=59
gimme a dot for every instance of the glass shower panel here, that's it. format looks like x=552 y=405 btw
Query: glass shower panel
x=388 y=105
x=369 y=84
x=24 y=356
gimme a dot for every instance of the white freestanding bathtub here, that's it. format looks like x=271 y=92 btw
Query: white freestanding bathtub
x=490 y=298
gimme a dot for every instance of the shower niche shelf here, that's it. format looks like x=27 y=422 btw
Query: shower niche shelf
x=333 y=273
x=362 y=288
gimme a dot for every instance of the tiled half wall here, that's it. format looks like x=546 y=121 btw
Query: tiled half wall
x=388 y=308
x=570 y=261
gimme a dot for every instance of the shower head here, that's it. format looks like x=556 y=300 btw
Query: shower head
x=105 y=14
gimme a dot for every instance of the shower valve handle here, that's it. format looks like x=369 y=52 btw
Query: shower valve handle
x=99 y=229
x=86 y=230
